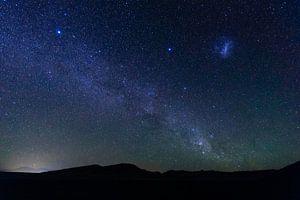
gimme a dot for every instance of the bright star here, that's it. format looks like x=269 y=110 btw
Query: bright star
x=58 y=31
x=170 y=49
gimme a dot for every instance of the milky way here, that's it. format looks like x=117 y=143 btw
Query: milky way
x=166 y=85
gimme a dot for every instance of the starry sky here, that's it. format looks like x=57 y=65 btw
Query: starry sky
x=189 y=85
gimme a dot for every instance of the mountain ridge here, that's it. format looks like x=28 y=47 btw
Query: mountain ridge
x=131 y=167
x=116 y=180
x=295 y=165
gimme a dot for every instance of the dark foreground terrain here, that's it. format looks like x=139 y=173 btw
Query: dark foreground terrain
x=125 y=180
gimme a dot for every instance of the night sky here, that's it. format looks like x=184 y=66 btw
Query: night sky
x=190 y=85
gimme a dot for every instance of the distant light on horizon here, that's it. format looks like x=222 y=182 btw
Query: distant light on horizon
x=29 y=170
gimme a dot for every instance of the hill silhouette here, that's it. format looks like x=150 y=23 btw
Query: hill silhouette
x=113 y=172
x=127 y=180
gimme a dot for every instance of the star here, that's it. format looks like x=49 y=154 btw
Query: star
x=58 y=32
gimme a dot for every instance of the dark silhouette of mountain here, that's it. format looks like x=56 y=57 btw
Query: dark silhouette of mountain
x=127 y=180
x=113 y=172
x=291 y=168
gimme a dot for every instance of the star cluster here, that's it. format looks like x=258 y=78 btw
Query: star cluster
x=164 y=85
